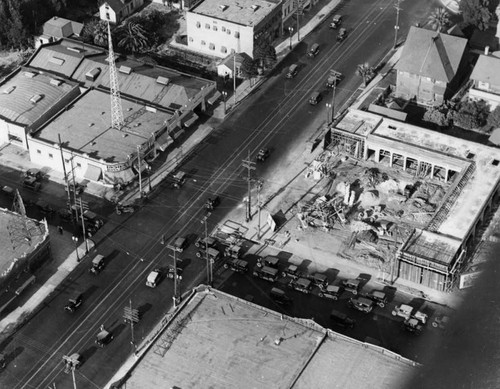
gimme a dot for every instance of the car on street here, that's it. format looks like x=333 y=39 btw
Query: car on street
x=171 y=272
x=313 y=51
x=315 y=98
x=205 y=241
x=292 y=71
x=97 y=264
x=320 y=280
x=212 y=203
x=154 y=278
x=122 y=208
x=74 y=361
x=361 y=304
x=263 y=154
x=7 y=190
x=413 y=325
x=292 y=271
x=180 y=244
x=32 y=183
x=103 y=337
x=279 y=296
x=406 y=311
x=332 y=292
x=212 y=253
x=268 y=261
x=333 y=79
x=237 y=265
x=77 y=188
x=179 y=179
x=74 y=303
x=341 y=319
x=301 y=285
x=352 y=285
x=341 y=35
x=336 y=22
x=378 y=297
x=44 y=206
x=266 y=273
x=234 y=251
x=35 y=173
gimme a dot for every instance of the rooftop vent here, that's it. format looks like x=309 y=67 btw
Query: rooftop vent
x=470 y=155
x=125 y=69
x=255 y=7
x=392 y=127
x=9 y=90
x=94 y=143
x=29 y=74
x=163 y=80
x=55 y=82
x=76 y=49
x=223 y=7
x=91 y=75
x=495 y=162
x=91 y=124
x=36 y=98
x=150 y=109
x=56 y=61
x=129 y=109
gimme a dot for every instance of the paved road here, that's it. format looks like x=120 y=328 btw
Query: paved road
x=277 y=115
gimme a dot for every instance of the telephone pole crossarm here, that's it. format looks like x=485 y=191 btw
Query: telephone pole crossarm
x=249 y=165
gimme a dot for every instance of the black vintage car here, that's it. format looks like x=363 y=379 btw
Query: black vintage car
x=74 y=303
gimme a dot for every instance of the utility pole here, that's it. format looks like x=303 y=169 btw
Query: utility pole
x=132 y=316
x=234 y=78
x=207 y=257
x=334 y=91
x=139 y=167
x=65 y=177
x=396 y=27
x=259 y=187
x=83 y=227
x=248 y=164
x=176 y=297
x=299 y=11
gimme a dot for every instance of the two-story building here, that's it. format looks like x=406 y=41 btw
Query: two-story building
x=430 y=66
x=114 y=11
x=486 y=80
x=57 y=28
x=218 y=28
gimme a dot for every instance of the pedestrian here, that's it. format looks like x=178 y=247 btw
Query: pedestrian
x=163 y=239
x=60 y=229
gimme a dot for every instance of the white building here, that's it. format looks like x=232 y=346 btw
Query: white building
x=115 y=11
x=219 y=28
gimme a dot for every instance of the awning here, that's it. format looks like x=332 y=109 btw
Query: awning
x=164 y=141
x=191 y=119
x=214 y=98
x=122 y=177
x=93 y=173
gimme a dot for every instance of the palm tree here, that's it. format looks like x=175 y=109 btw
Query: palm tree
x=439 y=19
x=365 y=71
x=132 y=37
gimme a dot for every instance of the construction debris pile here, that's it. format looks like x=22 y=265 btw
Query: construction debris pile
x=378 y=206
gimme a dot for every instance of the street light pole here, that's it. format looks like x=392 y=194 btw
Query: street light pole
x=207 y=258
x=328 y=106
x=75 y=239
x=224 y=95
x=396 y=27
x=290 y=31
x=259 y=187
x=333 y=98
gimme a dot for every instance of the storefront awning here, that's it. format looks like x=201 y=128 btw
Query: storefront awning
x=121 y=177
x=214 y=98
x=190 y=120
x=93 y=173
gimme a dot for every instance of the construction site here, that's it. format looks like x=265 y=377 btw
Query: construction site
x=397 y=198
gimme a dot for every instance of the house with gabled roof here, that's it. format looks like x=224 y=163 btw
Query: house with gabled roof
x=430 y=67
x=115 y=11
x=486 y=80
x=57 y=28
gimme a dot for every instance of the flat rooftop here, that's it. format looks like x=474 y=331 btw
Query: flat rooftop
x=244 y=12
x=13 y=245
x=220 y=341
x=359 y=122
x=86 y=127
x=28 y=94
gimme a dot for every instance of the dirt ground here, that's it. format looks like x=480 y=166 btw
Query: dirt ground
x=10 y=60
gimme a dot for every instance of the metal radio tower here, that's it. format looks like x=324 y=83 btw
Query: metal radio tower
x=116 y=104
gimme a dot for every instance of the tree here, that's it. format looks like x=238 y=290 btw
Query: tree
x=248 y=68
x=471 y=114
x=439 y=19
x=476 y=13
x=264 y=54
x=437 y=115
x=365 y=71
x=96 y=32
x=132 y=37
x=494 y=117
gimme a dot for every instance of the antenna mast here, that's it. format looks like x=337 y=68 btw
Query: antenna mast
x=116 y=104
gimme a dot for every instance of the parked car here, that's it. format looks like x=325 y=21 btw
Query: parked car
x=302 y=285
x=380 y=298
x=213 y=254
x=103 y=337
x=44 y=206
x=315 y=98
x=97 y=264
x=74 y=361
x=361 y=304
x=341 y=319
x=171 y=272
x=237 y=265
x=331 y=292
x=35 y=173
x=77 y=188
x=153 y=278
x=266 y=273
x=341 y=35
x=269 y=261
x=352 y=285
x=292 y=71
x=120 y=208
x=441 y=322
x=32 y=183
x=7 y=190
x=280 y=296
x=413 y=325
x=292 y=271
x=313 y=51
x=179 y=179
x=234 y=251
x=205 y=241
x=336 y=22
x=180 y=244
x=74 y=303
x=212 y=203
x=320 y=280
x=406 y=311
x=263 y=154
x=333 y=79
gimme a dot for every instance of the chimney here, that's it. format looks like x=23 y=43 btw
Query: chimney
x=487 y=50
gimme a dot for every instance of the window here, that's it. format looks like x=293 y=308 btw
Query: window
x=211 y=46
x=236 y=34
x=107 y=15
x=228 y=31
x=66 y=160
x=203 y=43
x=214 y=28
x=78 y=164
x=207 y=26
x=223 y=29
x=191 y=39
x=39 y=151
x=51 y=156
x=198 y=25
x=223 y=49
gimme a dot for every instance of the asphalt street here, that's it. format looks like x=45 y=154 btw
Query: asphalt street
x=277 y=116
